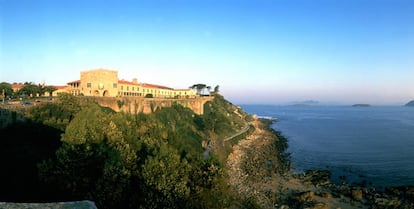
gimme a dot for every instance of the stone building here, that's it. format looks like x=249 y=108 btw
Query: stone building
x=105 y=83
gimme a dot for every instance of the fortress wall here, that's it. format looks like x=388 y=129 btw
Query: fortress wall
x=148 y=105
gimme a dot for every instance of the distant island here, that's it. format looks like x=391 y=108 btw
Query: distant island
x=304 y=103
x=361 y=105
x=410 y=104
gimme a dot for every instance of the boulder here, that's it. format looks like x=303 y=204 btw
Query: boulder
x=356 y=194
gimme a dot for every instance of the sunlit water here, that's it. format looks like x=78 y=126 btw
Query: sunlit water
x=371 y=144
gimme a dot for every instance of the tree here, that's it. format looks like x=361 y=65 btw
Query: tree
x=29 y=89
x=167 y=174
x=5 y=89
x=199 y=87
x=216 y=89
x=97 y=158
x=49 y=89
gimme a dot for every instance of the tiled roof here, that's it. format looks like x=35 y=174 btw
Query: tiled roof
x=60 y=87
x=77 y=81
x=147 y=85
x=17 y=86
x=126 y=82
x=155 y=86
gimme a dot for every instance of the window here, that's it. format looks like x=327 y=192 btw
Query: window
x=115 y=85
x=132 y=88
x=122 y=87
x=88 y=85
x=127 y=88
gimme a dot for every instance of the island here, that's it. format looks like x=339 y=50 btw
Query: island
x=361 y=105
x=410 y=104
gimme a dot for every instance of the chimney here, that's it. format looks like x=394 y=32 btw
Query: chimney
x=134 y=81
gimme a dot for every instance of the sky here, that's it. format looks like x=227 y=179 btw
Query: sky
x=256 y=51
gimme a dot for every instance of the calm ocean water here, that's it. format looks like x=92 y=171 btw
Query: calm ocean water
x=372 y=144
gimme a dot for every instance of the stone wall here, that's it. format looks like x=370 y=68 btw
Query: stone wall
x=148 y=105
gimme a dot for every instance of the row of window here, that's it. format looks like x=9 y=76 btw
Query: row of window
x=125 y=93
x=135 y=90
x=114 y=85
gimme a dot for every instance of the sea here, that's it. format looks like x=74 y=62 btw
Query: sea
x=371 y=146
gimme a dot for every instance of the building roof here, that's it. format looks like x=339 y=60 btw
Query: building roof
x=155 y=86
x=60 y=87
x=181 y=89
x=77 y=81
x=126 y=82
x=17 y=86
x=147 y=85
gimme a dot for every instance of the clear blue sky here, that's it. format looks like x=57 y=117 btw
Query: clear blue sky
x=258 y=51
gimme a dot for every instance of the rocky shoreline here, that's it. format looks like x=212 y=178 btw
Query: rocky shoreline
x=254 y=175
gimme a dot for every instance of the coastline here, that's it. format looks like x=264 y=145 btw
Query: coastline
x=372 y=145
x=251 y=175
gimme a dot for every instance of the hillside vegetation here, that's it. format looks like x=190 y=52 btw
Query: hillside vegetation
x=74 y=150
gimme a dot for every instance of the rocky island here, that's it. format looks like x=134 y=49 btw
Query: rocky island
x=410 y=104
x=361 y=105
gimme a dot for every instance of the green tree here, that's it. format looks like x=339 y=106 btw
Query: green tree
x=167 y=173
x=97 y=158
x=29 y=89
x=49 y=89
x=6 y=90
x=89 y=126
x=60 y=113
x=217 y=89
x=199 y=88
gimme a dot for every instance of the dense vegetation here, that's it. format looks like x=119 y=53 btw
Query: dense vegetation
x=28 y=89
x=73 y=150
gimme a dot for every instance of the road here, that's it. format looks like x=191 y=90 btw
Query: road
x=244 y=130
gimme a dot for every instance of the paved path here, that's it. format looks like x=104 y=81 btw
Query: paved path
x=206 y=153
x=244 y=130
